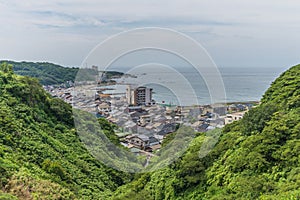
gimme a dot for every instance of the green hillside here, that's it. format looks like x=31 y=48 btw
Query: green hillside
x=41 y=156
x=255 y=158
x=47 y=73
x=52 y=74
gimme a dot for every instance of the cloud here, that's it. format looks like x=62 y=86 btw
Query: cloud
x=52 y=19
x=231 y=25
x=137 y=13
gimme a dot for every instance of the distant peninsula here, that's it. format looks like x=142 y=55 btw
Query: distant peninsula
x=49 y=73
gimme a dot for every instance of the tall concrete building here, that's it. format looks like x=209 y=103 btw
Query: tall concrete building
x=138 y=96
x=130 y=95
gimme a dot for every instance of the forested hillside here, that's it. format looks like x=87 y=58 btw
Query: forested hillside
x=41 y=156
x=257 y=157
x=52 y=74
x=46 y=73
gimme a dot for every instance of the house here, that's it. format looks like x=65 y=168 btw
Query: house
x=220 y=110
x=160 y=119
x=139 y=141
x=130 y=126
x=134 y=108
x=149 y=126
x=196 y=124
x=153 y=148
x=202 y=128
x=145 y=131
x=135 y=116
x=236 y=108
x=219 y=122
x=208 y=115
x=158 y=126
x=152 y=141
x=145 y=119
x=142 y=141
x=194 y=112
x=233 y=117
x=167 y=128
x=104 y=108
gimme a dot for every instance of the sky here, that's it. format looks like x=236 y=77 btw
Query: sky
x=236 y=33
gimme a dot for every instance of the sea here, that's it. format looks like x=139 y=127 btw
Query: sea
x=185 y=86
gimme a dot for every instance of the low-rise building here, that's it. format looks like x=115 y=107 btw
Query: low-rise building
x=104 y=108
x=142 y=141
x=233 y=117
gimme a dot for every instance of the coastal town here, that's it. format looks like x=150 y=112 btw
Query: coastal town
x=143 y=123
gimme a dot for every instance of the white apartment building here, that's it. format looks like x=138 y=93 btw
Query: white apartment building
x=139 y=95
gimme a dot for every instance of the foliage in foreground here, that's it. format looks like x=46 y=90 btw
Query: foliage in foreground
x=41 y=155
x=255 y=158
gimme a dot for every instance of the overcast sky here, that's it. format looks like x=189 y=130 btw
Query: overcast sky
x=235 y=32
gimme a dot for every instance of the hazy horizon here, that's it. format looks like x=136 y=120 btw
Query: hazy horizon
x=235 y=33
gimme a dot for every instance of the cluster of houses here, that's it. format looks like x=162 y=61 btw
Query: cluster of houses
x=143 y=124
x=145 y=127
x=142 y=127
x=64 y=93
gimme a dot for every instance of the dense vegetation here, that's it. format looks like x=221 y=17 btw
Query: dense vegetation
x=47 y=73
x=41 y=155
x=52 y=74
x=257 y=157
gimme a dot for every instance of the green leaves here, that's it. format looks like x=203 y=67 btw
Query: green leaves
x=6 y=68
x=41 y=155
x=37 y=135
x=47 y=73
x=257 y=157
x=255 y=120
x=108 y=129
x=54 y=167
x=285 y=90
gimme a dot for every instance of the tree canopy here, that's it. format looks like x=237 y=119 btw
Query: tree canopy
x=257 y=157
x=42 y=156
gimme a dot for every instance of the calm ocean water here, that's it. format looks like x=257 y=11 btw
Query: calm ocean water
x=241 y=84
